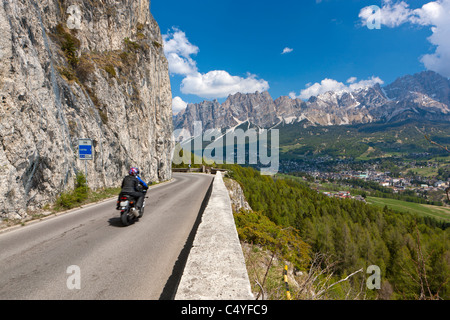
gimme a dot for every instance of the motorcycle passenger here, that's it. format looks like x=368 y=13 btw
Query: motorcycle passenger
x=134 y=186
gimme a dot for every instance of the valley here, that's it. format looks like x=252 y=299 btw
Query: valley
x=393 y=136
x=363 y=178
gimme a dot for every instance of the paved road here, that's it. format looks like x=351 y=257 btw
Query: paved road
x=114 y=262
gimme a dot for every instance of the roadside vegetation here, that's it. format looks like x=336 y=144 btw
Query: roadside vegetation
x=336 y=240
x=79 y=196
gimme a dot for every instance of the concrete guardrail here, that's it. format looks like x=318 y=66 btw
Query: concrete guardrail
x=215 y=268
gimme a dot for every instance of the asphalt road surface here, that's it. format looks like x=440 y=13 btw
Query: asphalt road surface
x=89 y=254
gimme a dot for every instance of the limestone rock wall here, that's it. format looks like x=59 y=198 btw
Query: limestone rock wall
x=73 y=69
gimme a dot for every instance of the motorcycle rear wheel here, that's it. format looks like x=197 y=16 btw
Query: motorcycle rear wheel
x=126 y=218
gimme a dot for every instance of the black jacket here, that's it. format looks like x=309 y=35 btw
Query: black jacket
x=131 y=184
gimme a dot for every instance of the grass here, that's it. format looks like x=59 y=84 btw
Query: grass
x=439 y=213
x=430 y=171
x=426 y=172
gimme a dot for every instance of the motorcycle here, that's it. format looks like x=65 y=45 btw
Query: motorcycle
x=128 y=212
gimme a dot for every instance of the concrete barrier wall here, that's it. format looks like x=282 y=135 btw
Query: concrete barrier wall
x=215 y=269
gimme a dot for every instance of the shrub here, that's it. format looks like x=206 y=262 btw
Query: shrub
x=72 y=199
x=111 y=71
x=85 y=67
x=69 y=44
x=256 y=228
x=157 y=44
x=131 y=46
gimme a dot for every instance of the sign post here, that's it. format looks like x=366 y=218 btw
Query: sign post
x=85 y=151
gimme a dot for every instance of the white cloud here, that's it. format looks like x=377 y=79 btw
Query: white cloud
x=178 y=105
x=434 y=14
x=437 y=15
x=178 y=51
x=332 y=85
x=365 y=83
x=292 y=95
x=324 y=86
x=220 y=84
x=214 y=84
x=180 y=65
x=391 y=14
x=287 y=50
x=178 y=42
x=431 y=13
x=351 y=80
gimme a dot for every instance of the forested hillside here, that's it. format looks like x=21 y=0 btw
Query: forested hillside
x=413 y=253
x=362 y=141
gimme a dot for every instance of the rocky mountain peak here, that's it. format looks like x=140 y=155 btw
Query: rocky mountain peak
x=428 y=83
x=425 y=94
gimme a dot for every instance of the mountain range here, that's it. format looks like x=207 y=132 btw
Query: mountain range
x=422 y=96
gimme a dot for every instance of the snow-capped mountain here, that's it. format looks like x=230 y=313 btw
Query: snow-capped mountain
x=425 y=95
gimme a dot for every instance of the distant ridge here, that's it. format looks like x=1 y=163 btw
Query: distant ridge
x=422 y=96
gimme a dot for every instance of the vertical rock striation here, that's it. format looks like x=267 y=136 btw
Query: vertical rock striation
x=79 y=69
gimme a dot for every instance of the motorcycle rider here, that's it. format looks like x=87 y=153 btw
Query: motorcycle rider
x=134 y=186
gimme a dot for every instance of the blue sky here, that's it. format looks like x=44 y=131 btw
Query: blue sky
x=219 y=47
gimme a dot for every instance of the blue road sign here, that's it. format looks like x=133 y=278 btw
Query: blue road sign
x=85 y=149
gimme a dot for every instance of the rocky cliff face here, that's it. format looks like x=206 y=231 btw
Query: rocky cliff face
x=237 y=197
x=424 y=95
x=79 y=69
